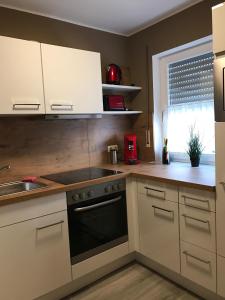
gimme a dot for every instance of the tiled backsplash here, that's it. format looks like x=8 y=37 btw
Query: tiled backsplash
x=34 y=146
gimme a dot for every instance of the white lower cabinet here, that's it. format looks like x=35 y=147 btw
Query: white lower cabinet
x=198 y=265
x=34 y=257
x=181 y=236
x=159 y=231
x=221 y=276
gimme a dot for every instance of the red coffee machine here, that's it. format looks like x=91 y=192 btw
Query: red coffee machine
x=130 y=149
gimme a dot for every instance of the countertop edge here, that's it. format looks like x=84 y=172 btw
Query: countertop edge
x=54 y=188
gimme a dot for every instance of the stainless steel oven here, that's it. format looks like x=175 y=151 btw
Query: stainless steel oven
x=97 y=218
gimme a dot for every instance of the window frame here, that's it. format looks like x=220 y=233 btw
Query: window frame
x=160 y=64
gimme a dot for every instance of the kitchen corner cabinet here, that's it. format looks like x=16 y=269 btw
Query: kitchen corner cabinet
x=72 y=80
x=20 y=77
x=158 y=224
x=34 y=254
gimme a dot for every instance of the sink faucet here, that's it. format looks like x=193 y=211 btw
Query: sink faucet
x=5 y=167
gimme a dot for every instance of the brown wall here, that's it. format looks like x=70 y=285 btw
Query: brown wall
x=186 y=26
x=32 y=27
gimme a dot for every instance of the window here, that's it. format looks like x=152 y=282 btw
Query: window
x=190 y=90
x=183 y=98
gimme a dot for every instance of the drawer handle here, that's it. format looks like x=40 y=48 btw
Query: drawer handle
x=222 y=183
x=61 y=107
x=198 y=200
x=155 y=190
x=26 y=106
x=50 y=225
x=196 y=219
x=163 y=209
x=208 y=262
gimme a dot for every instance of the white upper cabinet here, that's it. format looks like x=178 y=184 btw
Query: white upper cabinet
x=218 y=22
x=21 y=77
x=72 y=80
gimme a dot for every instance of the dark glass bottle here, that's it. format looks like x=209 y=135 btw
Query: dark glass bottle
x=165 y=153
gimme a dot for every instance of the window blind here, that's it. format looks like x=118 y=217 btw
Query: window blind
x=191 y=80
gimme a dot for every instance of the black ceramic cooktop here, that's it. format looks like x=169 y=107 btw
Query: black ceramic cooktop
x=80 y=175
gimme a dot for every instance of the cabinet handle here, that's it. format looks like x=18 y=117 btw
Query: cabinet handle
x=163 y=209
x=195 y=199
x=196 y=219
x=50 y=225
x=155 y=190
x=222 y=183
x=61 y=107
x=208 y=262
x=26 y=106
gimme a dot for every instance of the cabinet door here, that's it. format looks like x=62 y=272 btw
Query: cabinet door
x=221 y=276
x=34 y=257
x=218 y=17
x=220 y=187
x=159 y=232
x=21 y=77
x=72 y=80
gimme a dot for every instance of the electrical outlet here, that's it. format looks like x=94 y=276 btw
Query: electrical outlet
x=112 y=147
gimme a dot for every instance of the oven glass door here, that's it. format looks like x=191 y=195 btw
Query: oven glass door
x=97 y=225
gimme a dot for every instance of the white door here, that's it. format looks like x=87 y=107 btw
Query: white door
x=20 y=77
x=72 y=80
x=159 y=231
x=220 y=187
x=34 y=257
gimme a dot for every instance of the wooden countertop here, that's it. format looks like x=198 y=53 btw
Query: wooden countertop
x=176 y=173
x=180 y=174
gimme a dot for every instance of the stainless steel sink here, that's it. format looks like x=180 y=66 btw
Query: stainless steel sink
x=19 y=186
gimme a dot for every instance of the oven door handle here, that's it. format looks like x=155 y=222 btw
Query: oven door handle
x=90 y=207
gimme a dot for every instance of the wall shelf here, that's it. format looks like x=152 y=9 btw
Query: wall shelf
x=120 y=88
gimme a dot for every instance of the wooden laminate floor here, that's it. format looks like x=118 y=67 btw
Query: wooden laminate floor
x=133 y=282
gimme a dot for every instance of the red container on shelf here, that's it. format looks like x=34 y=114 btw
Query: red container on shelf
x=114 y=102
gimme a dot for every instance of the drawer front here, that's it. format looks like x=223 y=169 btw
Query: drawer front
x=159 y=231
x=159 y=191
x=198 y=227
x=25 y=210
x=198 y=199
x=198 y=265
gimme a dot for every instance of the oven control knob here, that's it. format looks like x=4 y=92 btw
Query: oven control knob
x=114 y=187
x=76 y=197
x=90 y=193
x=108 y=189
x=83 y=196
x=120 y=186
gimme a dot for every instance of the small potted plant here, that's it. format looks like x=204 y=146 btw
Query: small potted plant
x=195 y=148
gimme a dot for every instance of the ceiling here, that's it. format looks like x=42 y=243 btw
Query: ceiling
x=123 y=17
